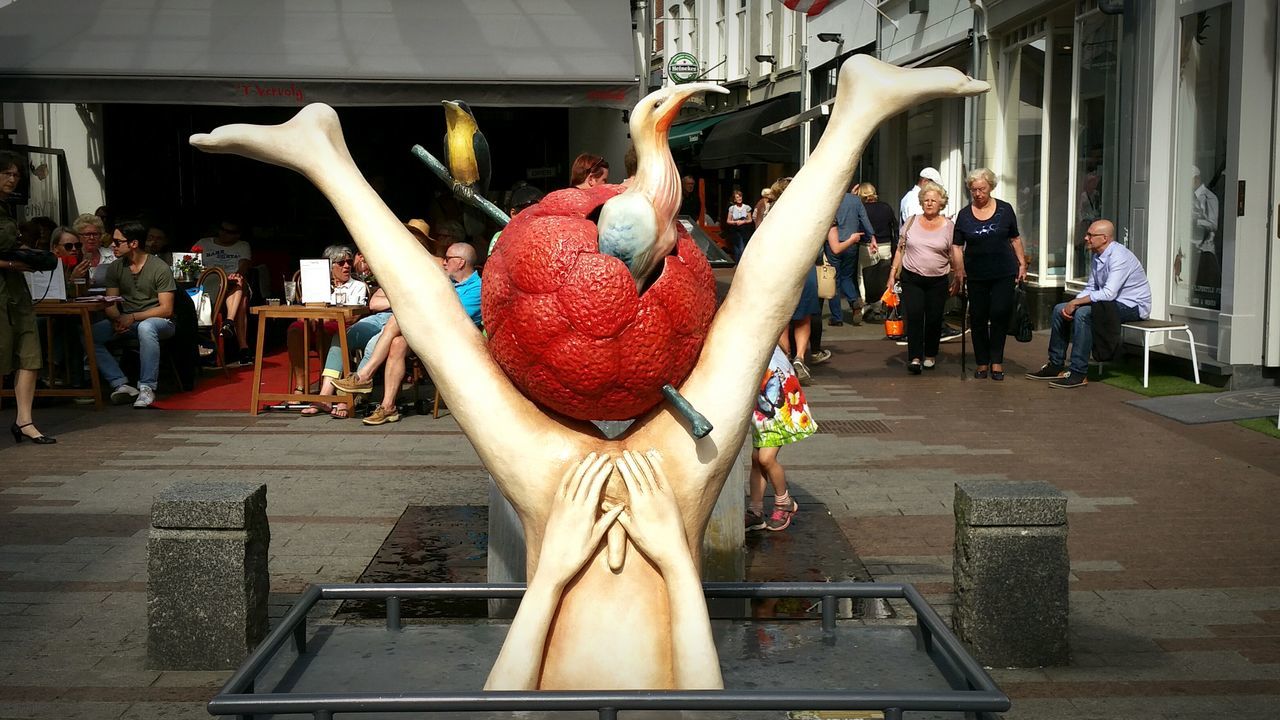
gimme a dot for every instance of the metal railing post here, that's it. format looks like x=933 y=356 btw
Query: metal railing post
x=393 y=613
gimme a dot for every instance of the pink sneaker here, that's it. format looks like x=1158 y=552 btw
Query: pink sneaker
x=780 y=518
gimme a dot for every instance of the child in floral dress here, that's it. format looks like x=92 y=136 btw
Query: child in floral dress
x=781 y=417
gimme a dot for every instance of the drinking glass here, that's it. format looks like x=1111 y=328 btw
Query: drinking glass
x=340 y=296
x=290 y=292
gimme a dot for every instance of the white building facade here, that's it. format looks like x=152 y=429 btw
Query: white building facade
x=1159 y=115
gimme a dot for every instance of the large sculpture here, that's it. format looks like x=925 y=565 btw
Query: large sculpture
x=624 y=618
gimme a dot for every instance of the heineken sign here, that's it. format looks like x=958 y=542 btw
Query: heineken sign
x=683 y=67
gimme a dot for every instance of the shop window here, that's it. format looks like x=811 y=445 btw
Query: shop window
x=1201 y=158
x=1096 y=143
x=1026 y=83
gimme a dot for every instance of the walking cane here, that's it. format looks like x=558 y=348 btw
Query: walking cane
x=964 y=325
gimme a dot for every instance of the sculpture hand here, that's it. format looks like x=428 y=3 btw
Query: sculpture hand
x=652 y=519
x=573 y=531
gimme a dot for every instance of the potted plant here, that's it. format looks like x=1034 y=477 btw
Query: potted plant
x=186 y=266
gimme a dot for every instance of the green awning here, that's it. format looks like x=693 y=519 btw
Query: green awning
x=685 y=134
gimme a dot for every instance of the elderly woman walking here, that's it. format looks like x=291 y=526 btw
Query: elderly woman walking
x=994 y=259
x=925 y=256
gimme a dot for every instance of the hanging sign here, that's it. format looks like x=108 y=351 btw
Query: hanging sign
x=683 y=67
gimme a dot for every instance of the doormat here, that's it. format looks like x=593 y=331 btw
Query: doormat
x=1214 y=407
x=450 y=544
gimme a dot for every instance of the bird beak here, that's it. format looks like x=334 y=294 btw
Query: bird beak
x=676 y=97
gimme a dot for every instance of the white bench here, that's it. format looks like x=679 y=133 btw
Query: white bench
x=1151 y=327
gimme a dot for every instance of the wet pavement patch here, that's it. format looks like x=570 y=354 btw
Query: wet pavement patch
x=429 y=544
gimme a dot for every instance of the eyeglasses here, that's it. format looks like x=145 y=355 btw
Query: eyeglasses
x=118 y=241
x=11 y=173
x=453 y=257
x=89 y=234
x=71 y=246
x=341 y=263
x=601 y=163
x=1094 y=235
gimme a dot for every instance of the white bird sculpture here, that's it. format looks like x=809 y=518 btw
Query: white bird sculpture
x=638 y=226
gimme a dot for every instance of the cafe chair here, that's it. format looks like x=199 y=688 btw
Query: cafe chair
x=214 y=282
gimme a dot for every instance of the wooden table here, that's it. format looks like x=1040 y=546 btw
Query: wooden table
x=50 y=309
x=342 y=314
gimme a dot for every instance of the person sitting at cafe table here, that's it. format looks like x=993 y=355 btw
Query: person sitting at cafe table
x=391 y=347
x=379 y=337
x=343 y=290
x=231 y=252
x=68 y=343
x=95 y=256
x=146 y=313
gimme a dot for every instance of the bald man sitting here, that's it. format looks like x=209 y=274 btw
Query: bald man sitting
x=1116 y=277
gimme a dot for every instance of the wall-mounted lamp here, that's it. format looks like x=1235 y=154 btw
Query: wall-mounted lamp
x=831 y=37
x=766 y=59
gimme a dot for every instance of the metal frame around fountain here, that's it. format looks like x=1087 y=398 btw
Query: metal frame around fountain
x=973 y=691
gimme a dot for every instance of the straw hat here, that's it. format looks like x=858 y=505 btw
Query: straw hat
x=420 y=229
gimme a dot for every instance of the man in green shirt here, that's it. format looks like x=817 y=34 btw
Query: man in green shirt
x=147 y=286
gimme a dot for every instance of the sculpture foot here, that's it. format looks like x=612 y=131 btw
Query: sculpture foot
x=699 y=426
x=892 y=89
x=307 y=143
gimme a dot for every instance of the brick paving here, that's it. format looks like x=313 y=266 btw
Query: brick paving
x=1175 y=555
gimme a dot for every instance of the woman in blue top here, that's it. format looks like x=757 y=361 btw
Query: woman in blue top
x=994 y=260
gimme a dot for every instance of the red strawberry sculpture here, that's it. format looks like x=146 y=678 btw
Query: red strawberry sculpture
x=567 y=325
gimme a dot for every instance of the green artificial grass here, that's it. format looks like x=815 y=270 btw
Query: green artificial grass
x=1165 y=380
x=1264 y=425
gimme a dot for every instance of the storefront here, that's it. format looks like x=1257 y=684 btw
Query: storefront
x=73 y=72
x=1160 y=117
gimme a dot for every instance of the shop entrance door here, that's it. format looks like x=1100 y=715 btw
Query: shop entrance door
x=1220 y=192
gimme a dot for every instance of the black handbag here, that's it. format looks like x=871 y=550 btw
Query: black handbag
x=1020 y=326
x=37 y=260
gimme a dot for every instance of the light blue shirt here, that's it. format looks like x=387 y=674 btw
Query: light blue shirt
x=469 y=294
x=1118 y=275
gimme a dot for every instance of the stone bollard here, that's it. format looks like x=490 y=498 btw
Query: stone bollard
x=207 y=579
x=1011 y=568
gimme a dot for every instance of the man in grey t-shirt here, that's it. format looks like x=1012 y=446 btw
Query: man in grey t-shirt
x=146 y=313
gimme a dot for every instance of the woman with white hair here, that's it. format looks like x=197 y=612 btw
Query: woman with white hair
x=994 y=260
x=344 y=290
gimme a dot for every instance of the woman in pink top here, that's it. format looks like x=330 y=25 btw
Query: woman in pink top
x=925 y=257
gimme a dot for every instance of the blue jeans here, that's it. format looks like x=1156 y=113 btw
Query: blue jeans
x=846 y=284
x=364 y=333
x=1080 y=328
x=149 y=333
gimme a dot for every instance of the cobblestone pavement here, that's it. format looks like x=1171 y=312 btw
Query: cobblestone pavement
x=1175 y=552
